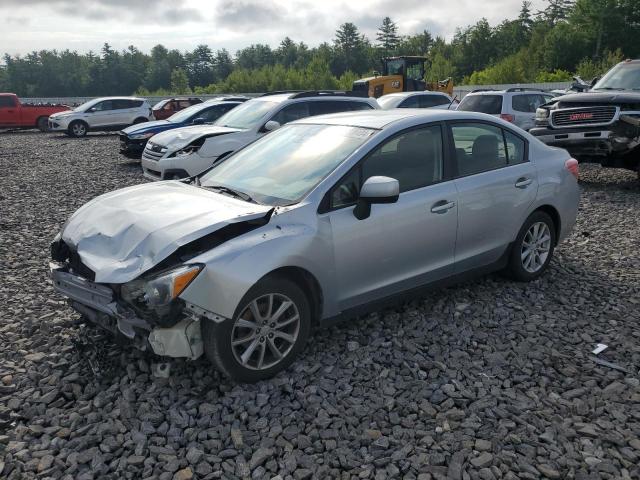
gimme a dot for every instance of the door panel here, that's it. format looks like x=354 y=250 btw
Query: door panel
x=9 y=113
x=400 y=246
x=491 y=208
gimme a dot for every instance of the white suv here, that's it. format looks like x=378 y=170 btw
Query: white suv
x=185 y=152
x=515 y=105
x=106 y=113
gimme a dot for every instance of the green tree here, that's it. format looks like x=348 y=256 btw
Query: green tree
x=387 y=36
x=179 y=82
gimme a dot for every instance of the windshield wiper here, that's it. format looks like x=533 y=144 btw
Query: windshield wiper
x=610 y=88
x=230 y=191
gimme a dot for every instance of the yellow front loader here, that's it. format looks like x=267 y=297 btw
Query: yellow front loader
x=401 y=74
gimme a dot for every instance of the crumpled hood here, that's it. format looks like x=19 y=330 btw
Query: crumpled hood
x=181 y=137
x=122 y=234
x=145 y=127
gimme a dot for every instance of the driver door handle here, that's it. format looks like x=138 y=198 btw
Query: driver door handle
x=523 y=182
x=442 y=206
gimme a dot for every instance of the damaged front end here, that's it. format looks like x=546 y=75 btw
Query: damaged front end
x=608 y=134
x=145 y=313
x=144 y=309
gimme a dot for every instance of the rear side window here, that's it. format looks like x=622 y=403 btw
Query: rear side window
x=515 y=148
x=411 y=102
x=135 y=103
x=491 y=104
x=479 y=148
x=7 y=102
x=292 y=112
x=527 y=103
x=428 y=101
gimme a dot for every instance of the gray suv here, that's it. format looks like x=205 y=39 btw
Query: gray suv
x=514 y=105
x=325 y=218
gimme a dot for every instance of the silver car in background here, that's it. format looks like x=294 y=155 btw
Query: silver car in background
x=325 y=218
x=424 y=99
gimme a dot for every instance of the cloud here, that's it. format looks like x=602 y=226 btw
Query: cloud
x=142 y=11
x=232 y=13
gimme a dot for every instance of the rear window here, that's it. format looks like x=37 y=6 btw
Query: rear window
x=428 y=101
x=491 y=104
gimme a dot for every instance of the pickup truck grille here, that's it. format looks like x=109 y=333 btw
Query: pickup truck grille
x=589 y=116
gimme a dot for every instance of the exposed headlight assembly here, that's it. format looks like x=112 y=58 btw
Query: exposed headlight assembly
x=193 y=147
x=160 y=290
x=542 y=114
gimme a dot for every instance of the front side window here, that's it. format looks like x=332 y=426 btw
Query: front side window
x=479 y=147
x=282 y=167
x=103 y=106
x=414 y=158
x=491 y=104
x=292 y=112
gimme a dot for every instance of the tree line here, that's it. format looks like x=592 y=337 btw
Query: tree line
x=567 y=37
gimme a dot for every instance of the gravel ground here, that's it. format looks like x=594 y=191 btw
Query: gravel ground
x=487 y=380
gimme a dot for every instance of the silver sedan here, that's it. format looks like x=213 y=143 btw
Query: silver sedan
x=325 y=218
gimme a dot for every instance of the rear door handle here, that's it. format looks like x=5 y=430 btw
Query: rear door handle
x=523 y=182
x=442 y=206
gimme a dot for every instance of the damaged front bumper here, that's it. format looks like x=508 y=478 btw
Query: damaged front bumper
x=600 y=144
x=97 y=303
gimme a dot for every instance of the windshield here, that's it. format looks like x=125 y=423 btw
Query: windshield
x=86 y=105
x=247 y=115
x=624 y=76
x=185 y=114
x=282 y=167
x=388 y=101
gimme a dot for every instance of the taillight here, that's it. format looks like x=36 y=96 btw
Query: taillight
x=507 y=117
x=572 y=166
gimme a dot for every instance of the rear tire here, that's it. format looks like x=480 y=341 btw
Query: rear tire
x=43 y=124
x=78 y=129
x=140 y=120
x=533 y=248
x=255 y=346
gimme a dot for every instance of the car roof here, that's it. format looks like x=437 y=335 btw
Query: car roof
x=284 y=96
x=120 y=98
x=409 y=94
x=380 y=119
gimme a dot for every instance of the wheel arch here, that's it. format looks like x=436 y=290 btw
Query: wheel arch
x=309 y=284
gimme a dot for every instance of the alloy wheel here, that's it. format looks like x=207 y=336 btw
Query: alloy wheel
x=79 y=129
x=265 y=331
x=536 y=245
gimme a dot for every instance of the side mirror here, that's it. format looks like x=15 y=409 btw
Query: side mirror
x=198 y=121
x=376 y=190
x=271 y=125
x=91 y=110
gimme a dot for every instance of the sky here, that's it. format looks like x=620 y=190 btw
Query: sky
x=84 y=25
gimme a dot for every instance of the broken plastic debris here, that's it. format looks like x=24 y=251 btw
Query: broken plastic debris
x=601 y=347
x=604 y=363
x=161 y=370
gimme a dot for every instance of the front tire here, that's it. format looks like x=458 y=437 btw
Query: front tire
x=78 y=129
x=43 y=124
x=267 y=332
x=533 y=248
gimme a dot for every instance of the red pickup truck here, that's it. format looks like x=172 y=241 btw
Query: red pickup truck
x=14 y=114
